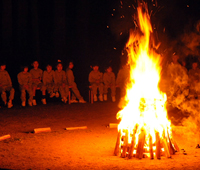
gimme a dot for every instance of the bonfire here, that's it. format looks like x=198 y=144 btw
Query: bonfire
x=144 y=129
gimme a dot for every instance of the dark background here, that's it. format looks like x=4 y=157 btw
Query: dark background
x=84 y=31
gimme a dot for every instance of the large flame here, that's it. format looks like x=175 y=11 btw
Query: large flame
x=145 y=104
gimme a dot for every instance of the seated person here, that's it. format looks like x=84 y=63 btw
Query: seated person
x=109 y=82
x=61 y=82
x=121 y=82
x=25 y=84
x=6 y=85
x=70 y=81
x=37 y=74
x=96 y=81
x=49 y=80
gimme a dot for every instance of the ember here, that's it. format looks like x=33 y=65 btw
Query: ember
x=144 y=130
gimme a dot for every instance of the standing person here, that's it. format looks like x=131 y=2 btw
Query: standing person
x=6 y=85
x=61 y=82
x=70 y=81
x=121 y=81
x=194 y=80
x=109 y=82
x=49 y=80
x=25 y=84
x=96 y=81
x=37 y=74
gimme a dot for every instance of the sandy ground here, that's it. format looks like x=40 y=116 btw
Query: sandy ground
x=91 y=148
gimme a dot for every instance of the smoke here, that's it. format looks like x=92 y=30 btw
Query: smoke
x=186 y=46
x=188 y=43
x=191 y=43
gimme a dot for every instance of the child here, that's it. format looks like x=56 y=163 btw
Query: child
x=61 y=82
x=37 y=74
x=6 y=85
x=109 y=82
x=49 y=80
x=70 y=81
x=96 y=81
x=25 y=84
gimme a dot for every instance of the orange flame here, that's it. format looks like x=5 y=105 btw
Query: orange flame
x=145 y=104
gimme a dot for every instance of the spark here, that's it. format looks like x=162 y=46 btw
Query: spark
x=135 y=23
x=151 y=12
x=164 y=29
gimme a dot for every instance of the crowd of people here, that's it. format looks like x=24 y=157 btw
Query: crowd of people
x=55 y=83
x=58 y=83
x=181 y=83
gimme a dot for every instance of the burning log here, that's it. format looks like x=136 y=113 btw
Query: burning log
x=175 y=145
x=140 y=148
x=125 y=145
x=167 y=152
x=131 y=149
x=151 y=147
x=158 y=146
x=5 y=137
x=39 y=130
x=163 y=145
x=116 y=152
x=171 y=148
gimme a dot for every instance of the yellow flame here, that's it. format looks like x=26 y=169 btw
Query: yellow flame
x=145 y=104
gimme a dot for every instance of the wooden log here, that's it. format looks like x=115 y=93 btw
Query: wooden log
x=125 y=145
x=151 y=147
x=76 y=128
x=175 y=145
x=140 y=148
x=116 y=151
x=158 y=146
x=171 y=147
x=39 y=130
x=166 y=148
x=5 y=137
x=113 y=125
x=131 y=149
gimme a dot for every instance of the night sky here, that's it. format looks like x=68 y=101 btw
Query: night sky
x=47 y=30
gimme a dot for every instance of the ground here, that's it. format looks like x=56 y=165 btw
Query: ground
x=90 y=148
